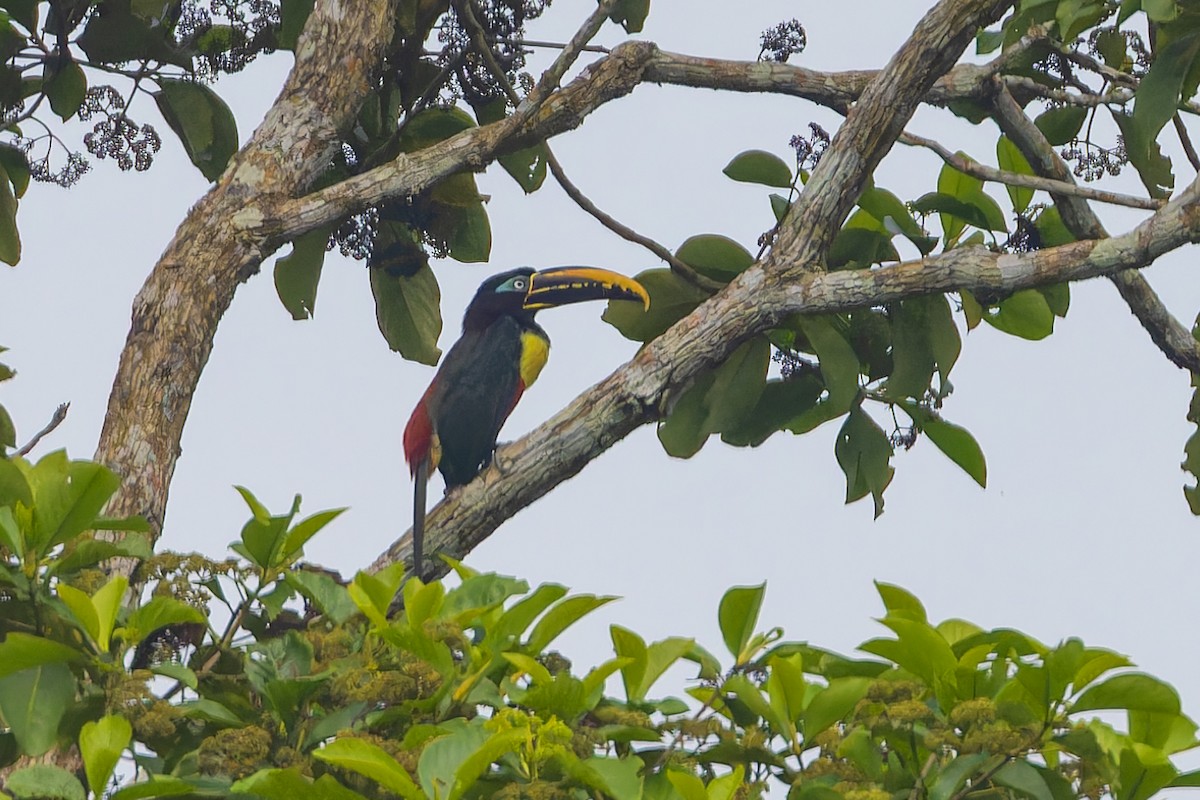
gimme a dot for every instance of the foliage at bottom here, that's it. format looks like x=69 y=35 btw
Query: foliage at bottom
x=258 y=676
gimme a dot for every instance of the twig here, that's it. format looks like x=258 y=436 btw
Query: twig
x=591 y=48
x=625 y=232
x=553 y=76
x=984 y=172
x=1186 y=141
x=56 y=419
x=1103 y=70
x=929 y=762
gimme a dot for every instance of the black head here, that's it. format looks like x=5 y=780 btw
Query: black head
x=522 y=292
x=502 y=294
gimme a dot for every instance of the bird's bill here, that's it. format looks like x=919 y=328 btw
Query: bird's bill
x=562 y=285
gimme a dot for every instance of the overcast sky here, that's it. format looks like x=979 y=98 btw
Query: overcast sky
x=1083 y=529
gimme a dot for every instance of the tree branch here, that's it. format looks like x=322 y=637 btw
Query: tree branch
x=1175 y=340
x=752 y=303
x=56 y=419
x=624 y=231
x=986 y=173
x=175 y=315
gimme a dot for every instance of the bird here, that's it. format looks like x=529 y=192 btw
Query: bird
x=499 y=355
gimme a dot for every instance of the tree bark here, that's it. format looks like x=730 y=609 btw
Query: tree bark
x=175 y=315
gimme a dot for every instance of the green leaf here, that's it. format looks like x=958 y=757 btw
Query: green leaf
x=1146 y=156
x=671 y=299
x=974 y=208
x=1061 y=125
x=157 y=786
x=68 y=496
x=44 y=781
x=684 y=432
x=65 y=88
x=305 y=529
x=1134 y=691
x=1025 y=314
x=839 y=362
x=292 y=15
x=1023 y=777
x=738 y=616
x=618 y=778
x=631 y=14
x=408 y=310
x=759 y=166
x=883 y=206
x=781 y=401
x=831 y=705
x=32 y=703
x=326 y=594
x=177 y=672
x=900 y=602
x=1160 y=11
x=10 y=239
x=737 y=385
x=365 y=758
x=81 y=608
x=1011 y=159
x=101 y=743
x=16 y=164
x=13 y=488
x=714 y=256
x=159 y=612
x=562 y=616
x=863 y=452
x=107 y=601
x=924 y=339
x=1159 y=92
x=433 y=125
x=955 y=774
x=959 y=446
x=202 y=121
x=298 y=273
x=22 y=651
x=441 y=759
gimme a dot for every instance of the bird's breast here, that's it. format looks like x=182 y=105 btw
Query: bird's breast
x=535 y=349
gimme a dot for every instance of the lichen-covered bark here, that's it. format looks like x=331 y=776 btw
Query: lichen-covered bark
x=175 y=315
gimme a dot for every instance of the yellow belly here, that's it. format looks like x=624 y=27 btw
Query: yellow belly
x=534 y=352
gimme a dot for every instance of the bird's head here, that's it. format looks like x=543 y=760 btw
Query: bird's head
x=522 y=292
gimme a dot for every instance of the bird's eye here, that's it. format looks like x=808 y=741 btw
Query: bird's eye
x=519 y=283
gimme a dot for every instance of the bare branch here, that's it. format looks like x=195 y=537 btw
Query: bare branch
x=986 y=173
x=56 y=419
x=624 y=231
x=1189 y=149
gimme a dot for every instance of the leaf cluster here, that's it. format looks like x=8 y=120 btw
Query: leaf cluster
x=459 y=694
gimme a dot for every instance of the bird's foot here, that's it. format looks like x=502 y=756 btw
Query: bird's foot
x=500 y=461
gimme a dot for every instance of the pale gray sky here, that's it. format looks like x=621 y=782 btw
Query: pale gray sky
x=1083 y=529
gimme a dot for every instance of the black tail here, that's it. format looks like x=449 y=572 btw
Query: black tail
x=418 y=528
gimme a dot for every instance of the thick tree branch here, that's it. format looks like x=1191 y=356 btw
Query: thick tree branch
x=1175 y=340
x=175 y=315
x=608 y=78
x=753 y=302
